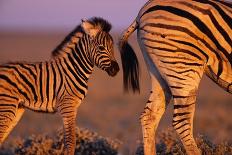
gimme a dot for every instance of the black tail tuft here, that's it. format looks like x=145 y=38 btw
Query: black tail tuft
x=130 y=67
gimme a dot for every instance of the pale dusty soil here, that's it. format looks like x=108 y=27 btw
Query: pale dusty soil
x=106 y=109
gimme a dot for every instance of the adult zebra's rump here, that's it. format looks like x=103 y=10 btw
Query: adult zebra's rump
x=60 y=84
x=180 y=40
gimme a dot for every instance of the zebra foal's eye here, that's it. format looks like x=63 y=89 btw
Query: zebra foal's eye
x=102 y=48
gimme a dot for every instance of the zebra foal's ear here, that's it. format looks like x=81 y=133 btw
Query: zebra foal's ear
x=89 y=28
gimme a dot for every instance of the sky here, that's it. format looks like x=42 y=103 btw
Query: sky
x=62 y=14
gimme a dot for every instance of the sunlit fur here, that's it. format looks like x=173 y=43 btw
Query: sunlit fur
x=58 y=85
x=180 y=40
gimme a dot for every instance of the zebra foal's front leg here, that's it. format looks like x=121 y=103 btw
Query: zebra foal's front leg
x=68 y=111
x=152 y=114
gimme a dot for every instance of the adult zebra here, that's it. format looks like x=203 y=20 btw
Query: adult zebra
x=60 y=84
x=180 y=40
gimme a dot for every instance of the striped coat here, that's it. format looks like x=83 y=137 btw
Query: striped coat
x=59 y=84
x=180 y=40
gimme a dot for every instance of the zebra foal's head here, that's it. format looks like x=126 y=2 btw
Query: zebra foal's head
x=101 y=44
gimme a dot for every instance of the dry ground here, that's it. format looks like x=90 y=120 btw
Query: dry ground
x=106 y=109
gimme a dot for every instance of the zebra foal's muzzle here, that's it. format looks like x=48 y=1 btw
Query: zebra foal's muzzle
x=113 y=69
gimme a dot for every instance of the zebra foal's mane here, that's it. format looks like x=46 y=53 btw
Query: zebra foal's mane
x=95 y=21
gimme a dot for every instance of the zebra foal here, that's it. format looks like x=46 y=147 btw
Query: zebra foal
x=59 y=84
x=180 y=41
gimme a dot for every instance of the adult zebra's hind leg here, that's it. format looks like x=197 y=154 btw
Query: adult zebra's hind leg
x=184 y=108
x=184 y=87
x=153 y=112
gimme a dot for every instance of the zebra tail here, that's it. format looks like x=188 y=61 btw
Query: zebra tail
x=130 y=64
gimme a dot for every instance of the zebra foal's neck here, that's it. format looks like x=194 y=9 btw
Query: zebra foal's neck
x=75 y=47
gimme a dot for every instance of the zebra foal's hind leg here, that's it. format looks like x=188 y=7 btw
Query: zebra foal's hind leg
x=10 y=114
x=153 y=112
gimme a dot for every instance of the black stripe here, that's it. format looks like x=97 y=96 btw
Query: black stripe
x=220 y=69
x=54 y=81
x=179 y=62
x=181 y=126
x=13 y=84
x=180 y=114
x=41 y=82
x=182 y=106
x=7 y=111
x=185 y=136
x=176 y=77
x=180 y=97
x=161 y=48
x=184 y=131
x=179 y=121
x=6 y=95
x=8 y=105
x=188 y=70
x=47 y=84
x=176 y=87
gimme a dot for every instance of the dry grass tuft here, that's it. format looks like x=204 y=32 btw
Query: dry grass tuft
x=168 y=144
x=87 y=143
x=90 y=143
